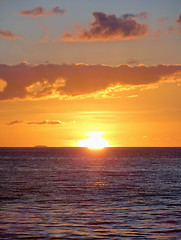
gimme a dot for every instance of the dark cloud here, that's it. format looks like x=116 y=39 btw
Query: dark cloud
x=143 y=15
x=179 y=22
x=15 y=122
x=40 y=11
x=46 y=122
x=132 y=61
x=56 y=81
x=109 y=27
x=179 y=19
x=8 y=35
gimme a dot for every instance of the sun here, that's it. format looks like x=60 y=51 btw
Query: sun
x=95 y=141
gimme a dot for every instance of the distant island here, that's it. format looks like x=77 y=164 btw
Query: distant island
x=40 y=146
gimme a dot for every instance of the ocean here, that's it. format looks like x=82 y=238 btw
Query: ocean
x=78 y=193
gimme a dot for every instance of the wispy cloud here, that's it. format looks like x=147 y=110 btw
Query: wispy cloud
x=109 y=27
x=44 y=27
x=40 y=12
x=25 y=81
x=133 y=96
x=44 y=39
x=170 y=30
x=14 y=122
x=44 y=122
x=158 y=34
x=132 y=61
x=9 y=35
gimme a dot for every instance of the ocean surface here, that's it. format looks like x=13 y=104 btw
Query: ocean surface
x=76 y=193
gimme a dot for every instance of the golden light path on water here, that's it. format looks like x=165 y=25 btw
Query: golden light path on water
x=95 y=141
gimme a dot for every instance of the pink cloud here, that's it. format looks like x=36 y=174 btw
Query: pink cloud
x=170 y=30
x=158 y=34
x=40 y=11
x=109 y=27
x=160 y=20
x=8 y=35
x=44 y=27
x=26 y=81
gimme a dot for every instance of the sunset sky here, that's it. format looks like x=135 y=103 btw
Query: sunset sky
x=72 y=67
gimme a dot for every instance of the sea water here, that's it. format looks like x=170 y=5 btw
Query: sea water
x=77 y=193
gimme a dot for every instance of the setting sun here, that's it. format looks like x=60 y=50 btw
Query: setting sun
x=95 y=141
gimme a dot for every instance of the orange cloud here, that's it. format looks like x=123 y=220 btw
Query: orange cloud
x=40 y=11
x=3 y=85
x=8 y=35
x=25 y=81
x=109 y=27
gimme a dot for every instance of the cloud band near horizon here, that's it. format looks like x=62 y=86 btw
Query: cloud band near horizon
x=26 y=81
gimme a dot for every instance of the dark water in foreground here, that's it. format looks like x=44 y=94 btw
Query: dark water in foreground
x=75 y=193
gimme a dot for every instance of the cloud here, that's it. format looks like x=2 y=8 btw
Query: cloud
x=179 y=19
x=44 y=27
x=8 y=35
x=133 y=96
x=15 y=122
x=40 y=11
x=179 y=22
x=3 y=85
x=170 y=30
x=44 y=39
x=44 y=122
x=158 y=34
x=162 y=20
x=142 y=15
x=109 y=27
x=25 y=81
x=132 y=61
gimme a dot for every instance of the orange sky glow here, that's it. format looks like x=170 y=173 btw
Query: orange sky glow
x=67 y=75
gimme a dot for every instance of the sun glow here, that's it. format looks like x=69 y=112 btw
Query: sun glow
x=95 y=141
